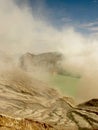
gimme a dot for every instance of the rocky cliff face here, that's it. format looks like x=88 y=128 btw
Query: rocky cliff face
x=45 y=64
x=29 y=104
x=49 y=62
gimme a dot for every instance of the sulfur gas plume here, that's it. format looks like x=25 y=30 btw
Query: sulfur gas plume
x=21 y=32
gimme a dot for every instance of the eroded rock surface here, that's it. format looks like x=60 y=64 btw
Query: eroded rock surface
x=29 y=104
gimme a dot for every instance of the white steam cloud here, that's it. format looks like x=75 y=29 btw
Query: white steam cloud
x=21 y=32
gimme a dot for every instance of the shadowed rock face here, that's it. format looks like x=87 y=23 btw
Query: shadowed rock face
x=29 y=104
x=44 y=64
x=50 y=62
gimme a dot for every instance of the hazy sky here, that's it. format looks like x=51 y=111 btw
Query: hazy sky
x=48 y=25
x=83 y=14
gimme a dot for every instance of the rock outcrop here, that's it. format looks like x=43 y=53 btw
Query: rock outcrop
x=46 y=63
x=49 y=62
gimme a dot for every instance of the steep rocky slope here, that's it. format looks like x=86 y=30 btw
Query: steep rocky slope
x=29 y=104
